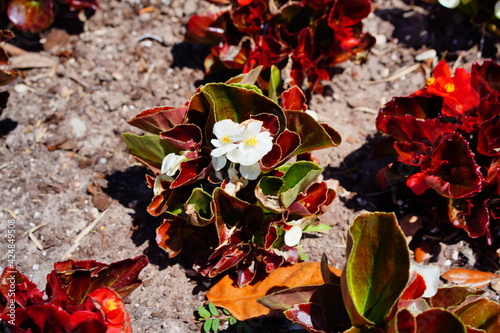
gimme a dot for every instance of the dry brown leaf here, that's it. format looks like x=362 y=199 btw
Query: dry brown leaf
x=423 y=250
x=469 y=277
x=32 y=60
x=242 y=302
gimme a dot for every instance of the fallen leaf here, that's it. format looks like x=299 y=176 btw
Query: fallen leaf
x=242 y=302
x=469 y=277
x=32 y=60
x=423 y=250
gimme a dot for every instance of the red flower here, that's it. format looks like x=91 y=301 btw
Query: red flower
x=111 y=304
x=457 y=92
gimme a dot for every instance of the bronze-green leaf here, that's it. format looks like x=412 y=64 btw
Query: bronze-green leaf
x=197 y=208
x=149 y=149
x=238 y=103
x=296 y=179
x=377 y=269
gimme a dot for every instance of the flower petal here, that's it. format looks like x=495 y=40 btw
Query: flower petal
x=293 y=236
x=250 y=172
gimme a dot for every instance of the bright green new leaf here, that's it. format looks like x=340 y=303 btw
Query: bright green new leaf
x=232 y=320
x=274 y=83
x=316 y=228
x=207 y=326
x=296 y=179
x=377 y=269
x=203 y=312
x=149 y=149
x=213 y=309
x=215 y=324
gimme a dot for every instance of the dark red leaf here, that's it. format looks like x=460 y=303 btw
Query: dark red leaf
x=26 y=292
x=439 y=321
x=49 y=318
x=169 y=236
x=30 y=15
x=308 y=315
x=184 y=136
x=74 y=280
x=452 y=296
x=192 y=170
x=415 y=289
x=453 y=171
x=347 y=13
x=81 y=4
x=283 y=149
x=470 y=214
x=158 y=119
x=205 y=29
x=293 y=99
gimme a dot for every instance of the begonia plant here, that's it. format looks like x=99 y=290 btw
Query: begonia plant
x=380 y=291
x=308 y=38
x=446 y=139
x=6 y=75
x=223 y=166
x=81 y=296
x=36 y=15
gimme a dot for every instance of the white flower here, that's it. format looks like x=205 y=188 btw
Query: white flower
x=219 y=162
x=171 y=164
x=497 y=9
x=431 y=277
x=250 y=172
x=450 y=3
x=253 y=144
x=293 y=236
x=225 y=130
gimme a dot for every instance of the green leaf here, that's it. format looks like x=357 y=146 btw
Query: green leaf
x=296 y=179
x=197 y=208
x=274 y=83
x=215 y=324
x=213 y=309
x=203 y=312
x=316 y=228
x=238 y=104
x=267 y=192
x=226 y=312
x=207 y=326
x=377 y=269
x=149 y=149
x=248 y=87
x=232 y=320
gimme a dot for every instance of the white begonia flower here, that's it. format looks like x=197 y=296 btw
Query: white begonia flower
x=253 y=144
x=449 y=3
x=171 y=164
x=497 y=10
x=219 y=162
x=225 y=130
x=293 y=236
x=250 y=172
x=431 y=277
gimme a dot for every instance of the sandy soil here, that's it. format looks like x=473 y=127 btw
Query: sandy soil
x=63 y=164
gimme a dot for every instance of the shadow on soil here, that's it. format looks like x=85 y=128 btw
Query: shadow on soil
x=448 y=31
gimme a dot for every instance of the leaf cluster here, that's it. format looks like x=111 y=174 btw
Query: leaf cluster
x=445 y=137
x=82 y=296
x=377 y=293
x=248 y=218
x=308 y=38
x=33 y=16
x=212 y=318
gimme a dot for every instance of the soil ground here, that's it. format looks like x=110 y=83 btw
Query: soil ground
x=63 y=164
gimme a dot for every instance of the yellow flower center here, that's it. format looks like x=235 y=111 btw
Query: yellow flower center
x=251 y=142
x=430 y=82
x=111 y=305
x=449 y=87
x=226 y=139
